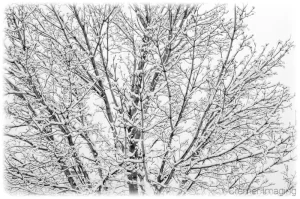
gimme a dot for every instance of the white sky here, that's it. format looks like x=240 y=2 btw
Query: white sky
x=270 y=23
x=273 y=20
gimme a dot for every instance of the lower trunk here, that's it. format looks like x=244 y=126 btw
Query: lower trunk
x=133 y=186
x=133 y=167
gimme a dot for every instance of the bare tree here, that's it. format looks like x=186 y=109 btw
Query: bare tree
x=140 y=99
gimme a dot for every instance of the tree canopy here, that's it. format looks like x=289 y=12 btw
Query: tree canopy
x=141 y=99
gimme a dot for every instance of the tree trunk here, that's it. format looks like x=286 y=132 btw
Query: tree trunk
x=133 y=187
x=133 y=141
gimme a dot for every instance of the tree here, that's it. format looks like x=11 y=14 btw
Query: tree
x=141 y=98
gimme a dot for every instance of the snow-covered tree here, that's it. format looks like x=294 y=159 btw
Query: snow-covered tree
x=141 y=99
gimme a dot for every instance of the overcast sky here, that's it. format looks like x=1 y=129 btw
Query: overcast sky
x=271 y=22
